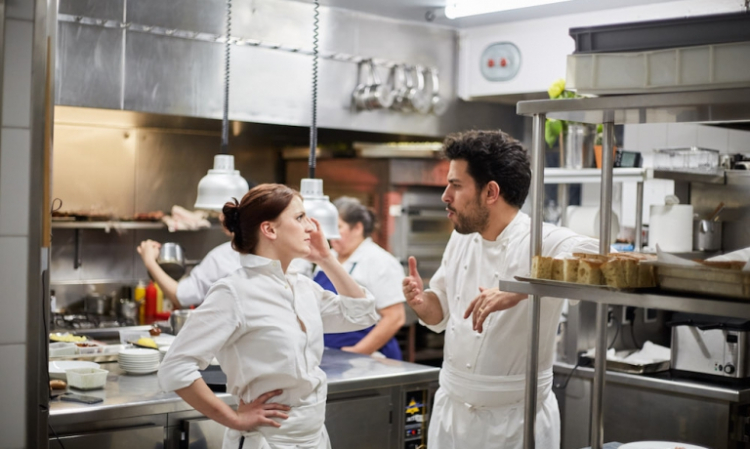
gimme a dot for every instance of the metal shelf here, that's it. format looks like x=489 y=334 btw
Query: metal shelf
x=107 y=225
x=678 y=303
x=725 y=105
x=592 y=175
x=714 y=177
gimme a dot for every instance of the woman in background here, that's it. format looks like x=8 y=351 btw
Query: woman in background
x=376 y=270
x=265 y=326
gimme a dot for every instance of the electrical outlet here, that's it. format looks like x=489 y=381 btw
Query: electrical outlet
x=628 y=315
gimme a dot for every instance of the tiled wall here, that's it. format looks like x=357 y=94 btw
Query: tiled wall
x=645 y=138
x=15 y=175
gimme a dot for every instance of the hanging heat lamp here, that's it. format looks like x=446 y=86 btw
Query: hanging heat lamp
x=317 y=205
x=223 y=182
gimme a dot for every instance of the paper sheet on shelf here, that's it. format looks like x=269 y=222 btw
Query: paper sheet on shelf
x=671 y=259
x=650 y=353
x=741 y=255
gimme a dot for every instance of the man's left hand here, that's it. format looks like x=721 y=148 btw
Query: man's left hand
x=490 y=300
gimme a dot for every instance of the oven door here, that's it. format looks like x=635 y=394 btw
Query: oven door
x=422 y=233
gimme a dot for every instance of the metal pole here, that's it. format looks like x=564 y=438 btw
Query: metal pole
x=537 y=200
x=639 y=217
x=562 y=202
x=600 y=361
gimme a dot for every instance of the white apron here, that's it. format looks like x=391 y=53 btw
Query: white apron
x=475 y=411
x=304 y=429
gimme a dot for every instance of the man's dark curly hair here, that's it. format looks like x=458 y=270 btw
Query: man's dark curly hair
x=493 y=156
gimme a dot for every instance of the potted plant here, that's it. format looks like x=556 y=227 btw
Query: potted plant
x=576 y=140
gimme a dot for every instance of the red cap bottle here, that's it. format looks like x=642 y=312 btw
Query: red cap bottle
x=150 y=302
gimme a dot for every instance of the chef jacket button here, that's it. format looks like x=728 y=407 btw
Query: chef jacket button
x=478 y=335
x=468 y=365
x=453 y=327
x=466 y=267
x=476 y=239
x=497 y=275
x=450 y=358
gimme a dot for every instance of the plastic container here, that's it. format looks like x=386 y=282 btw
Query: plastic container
x=62 y=349
x=665 y=33
x=686 y=159
x=86 y=378
x=89 y=348
x=675 y=70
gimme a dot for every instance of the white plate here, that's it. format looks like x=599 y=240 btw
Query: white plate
x=140 y=359
x=164 y=339
x=138 y=365
x=142 y=371
x=57 y=368
x=659 y=445
x=138 y=352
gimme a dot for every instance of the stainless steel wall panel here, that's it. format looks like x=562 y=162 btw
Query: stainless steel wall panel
x=169 y=166
x=93 y=169
x=207 y=16
x=173 y=76
x=89 y=65
x=104 y=256
x=170 y=75
x=101 y=9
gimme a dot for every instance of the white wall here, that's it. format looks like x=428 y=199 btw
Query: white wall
x=15 y=176
x=545 y=43
x=645 y=138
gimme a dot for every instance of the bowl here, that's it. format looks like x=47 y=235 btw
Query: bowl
x=86 y=378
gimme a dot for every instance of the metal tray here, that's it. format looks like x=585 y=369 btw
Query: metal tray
x=703 y=280
x=575 y=284
x=630 y=368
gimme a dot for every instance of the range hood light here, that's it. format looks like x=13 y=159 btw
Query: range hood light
x=220 y=184
x=463 y=8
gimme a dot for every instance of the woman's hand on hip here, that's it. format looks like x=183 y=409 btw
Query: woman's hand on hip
x=319 y=247
x=260 y=411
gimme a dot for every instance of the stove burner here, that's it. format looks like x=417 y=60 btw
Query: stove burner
x=89 y=321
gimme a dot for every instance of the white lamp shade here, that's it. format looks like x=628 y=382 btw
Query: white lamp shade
x=319 y=207
x=220 y=184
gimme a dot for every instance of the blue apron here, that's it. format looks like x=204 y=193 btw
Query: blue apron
x=338 y=341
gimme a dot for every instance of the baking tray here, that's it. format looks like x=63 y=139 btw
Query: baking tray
x=703 y=280
x=631 y=368
x=575 y=284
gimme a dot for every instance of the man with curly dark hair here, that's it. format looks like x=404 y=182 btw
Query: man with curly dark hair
x=480 y=402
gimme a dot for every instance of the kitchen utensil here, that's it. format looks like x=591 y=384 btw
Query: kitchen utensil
x=177 y=319
x=172 y=260
x=420 y=98
x=370 y=93
x=401 y=86
x=715 y=214
x=439 y=105
x=707 y=235
x=126 y=309
x=578 y=149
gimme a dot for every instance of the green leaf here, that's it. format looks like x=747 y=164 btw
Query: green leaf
x=552 y=131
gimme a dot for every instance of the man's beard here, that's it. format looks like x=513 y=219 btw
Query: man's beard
x=474 y=219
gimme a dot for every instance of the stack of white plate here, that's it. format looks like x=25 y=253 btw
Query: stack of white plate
x=139 y=360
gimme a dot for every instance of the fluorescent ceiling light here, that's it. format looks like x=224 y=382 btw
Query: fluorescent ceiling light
x=462 y=8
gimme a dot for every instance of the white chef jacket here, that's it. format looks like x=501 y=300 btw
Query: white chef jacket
x=481 y=397
x=218 y=263
x=378 y=271
x=249 y=322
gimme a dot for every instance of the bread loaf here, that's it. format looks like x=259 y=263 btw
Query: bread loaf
x=541 y=267
x=646 y=277
x=557 y=269
x=590 y=272
x=570 y=270
x=614 y=273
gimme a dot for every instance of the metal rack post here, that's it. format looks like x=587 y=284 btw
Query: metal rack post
x=537 y=200
x=600 y=360
x=638 y=217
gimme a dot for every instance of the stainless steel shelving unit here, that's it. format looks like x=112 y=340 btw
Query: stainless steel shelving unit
x=730 y=105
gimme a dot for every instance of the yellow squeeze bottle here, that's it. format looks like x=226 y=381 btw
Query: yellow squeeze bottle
x=139 y=295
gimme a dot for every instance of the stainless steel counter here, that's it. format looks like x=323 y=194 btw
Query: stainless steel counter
x=678 y=386
x=126 y=395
